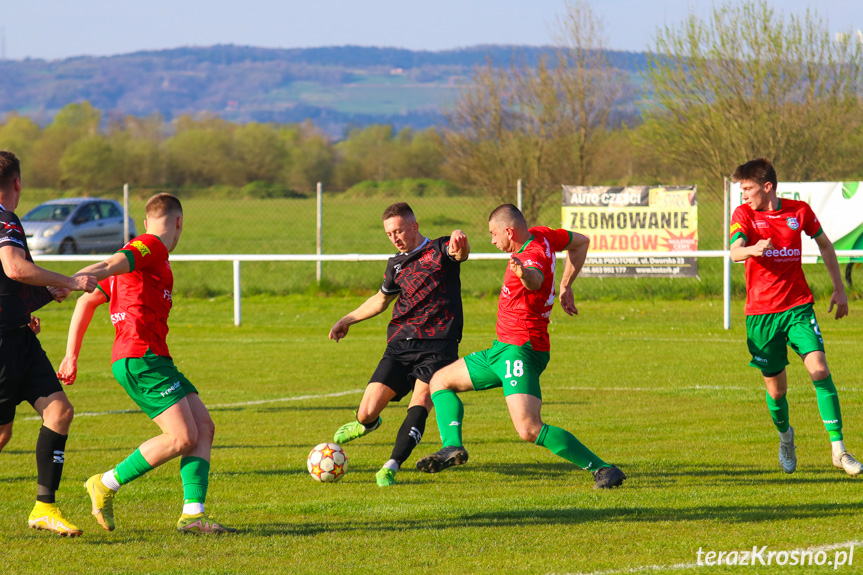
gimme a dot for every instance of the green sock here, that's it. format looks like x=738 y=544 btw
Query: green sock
x=828 y=407
x=449 y=411
x=778 y=411
x=131 y=468
x=563 y=443
x=195 y=472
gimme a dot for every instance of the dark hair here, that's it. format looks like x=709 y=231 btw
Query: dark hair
x=760 y=171
x=508 y=214
x=163 y=204
x=10 y=169
x=399 y=209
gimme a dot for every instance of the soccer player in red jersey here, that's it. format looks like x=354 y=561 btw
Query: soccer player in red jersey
x=521 y=352
x=766 y=233
x=138 y=281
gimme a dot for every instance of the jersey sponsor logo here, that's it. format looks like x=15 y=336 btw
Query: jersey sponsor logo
x=397 y=269
x=167 y=296
x=12 y=227
x=792 y=223
x=139 y=245
x=118 y=317
x=761 y=224
x=504 y=291
x=171 y=389
x=782 y=253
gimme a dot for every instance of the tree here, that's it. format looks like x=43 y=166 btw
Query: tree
x=261 y=152
x=751 y=82
x=542 y=124
x=19 y=134
x=88 y=163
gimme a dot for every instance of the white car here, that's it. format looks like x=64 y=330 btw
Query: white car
x=76 y=225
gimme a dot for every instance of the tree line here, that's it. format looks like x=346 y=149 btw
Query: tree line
x=747 y=81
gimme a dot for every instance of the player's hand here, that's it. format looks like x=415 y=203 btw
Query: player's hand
x=68 y=370
x=516 y=267
x=59 y=293
x=457 y=242
x=761 y=246
x=840 y=301
x=35 y=324
x=339 y=330
x=567 y=301
x=84 y=282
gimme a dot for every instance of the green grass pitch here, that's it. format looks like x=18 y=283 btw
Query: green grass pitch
x=656 y=387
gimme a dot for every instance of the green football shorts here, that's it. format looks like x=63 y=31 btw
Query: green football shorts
x=152 y=381
x=768 y=336
x=515 y=368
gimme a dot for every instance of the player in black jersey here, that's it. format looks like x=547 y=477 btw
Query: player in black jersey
x=422 y=336
x=25 y=372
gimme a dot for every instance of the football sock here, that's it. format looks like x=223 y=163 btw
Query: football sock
x=828 y=407
x=449 y=411
x=109 y=480
x=50 y=454
x=195 y=472
x=838 y=447
x=392 y=465
x=131 y=468
x=778 y=411
x=410 y=433
x=786 y=436
x=564 y=444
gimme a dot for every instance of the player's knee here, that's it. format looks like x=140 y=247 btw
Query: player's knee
x=819 y=372
x=206 y=431
x=185 y=442
x=5 y=436
x=59 y=417
x=528 y=431
x=367 y=416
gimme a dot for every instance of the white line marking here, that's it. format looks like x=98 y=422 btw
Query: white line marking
x=217 y=405
x=679 y=566
x=754 y=387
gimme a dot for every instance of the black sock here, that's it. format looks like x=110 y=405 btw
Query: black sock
x=50 y=453
x=410 y=433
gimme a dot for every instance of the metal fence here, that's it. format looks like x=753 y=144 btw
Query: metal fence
x=234 y=245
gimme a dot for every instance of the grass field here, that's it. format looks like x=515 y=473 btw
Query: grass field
x=656 y=387
x=224 y=225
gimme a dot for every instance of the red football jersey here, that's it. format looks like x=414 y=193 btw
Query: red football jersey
x=140 y=300
x=775 y=280
x=522 y=314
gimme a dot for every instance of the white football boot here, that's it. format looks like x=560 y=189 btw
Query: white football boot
x=788 y=454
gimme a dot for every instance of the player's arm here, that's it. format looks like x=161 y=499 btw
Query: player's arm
x=81 y=317
x=369 y=308
x=531 y=278
x=459 y=248
x=740 y=251
x=576 y=254
x=115 y=265
x=828 y=254
x=17 y=267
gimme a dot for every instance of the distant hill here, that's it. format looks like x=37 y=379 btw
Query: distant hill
x=335 y=87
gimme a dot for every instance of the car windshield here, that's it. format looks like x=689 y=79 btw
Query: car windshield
x=49 y=213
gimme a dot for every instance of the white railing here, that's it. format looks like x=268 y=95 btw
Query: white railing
x=236 y=259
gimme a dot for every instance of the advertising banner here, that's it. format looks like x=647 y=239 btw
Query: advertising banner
x=634 y=219
x=838 y=205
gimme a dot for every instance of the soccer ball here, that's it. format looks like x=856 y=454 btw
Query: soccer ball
x=327 y=462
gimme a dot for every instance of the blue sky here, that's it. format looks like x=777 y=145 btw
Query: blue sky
x=52 y=29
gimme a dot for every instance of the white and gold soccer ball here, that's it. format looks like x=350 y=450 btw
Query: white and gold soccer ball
x=327 y=462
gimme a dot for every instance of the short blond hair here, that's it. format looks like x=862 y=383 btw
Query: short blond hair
x=163 y=205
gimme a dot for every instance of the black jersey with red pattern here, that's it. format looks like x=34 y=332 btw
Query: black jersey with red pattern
x=429 y=288
x=13 y=310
